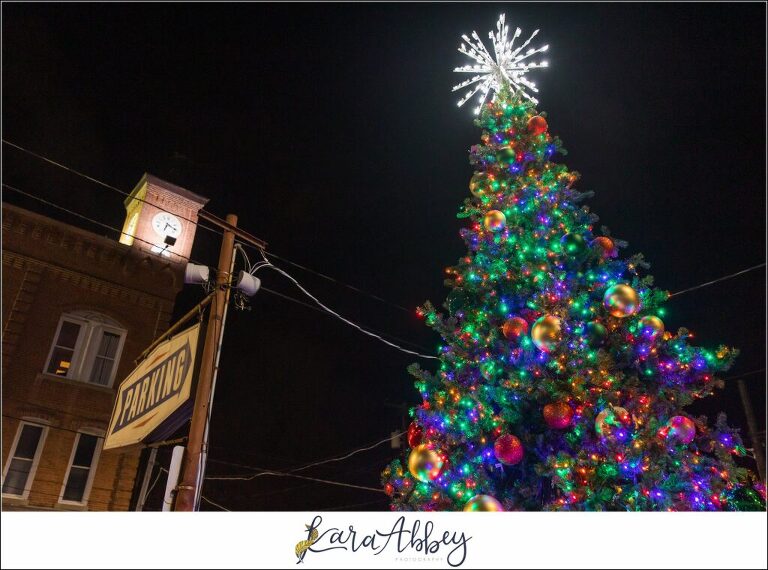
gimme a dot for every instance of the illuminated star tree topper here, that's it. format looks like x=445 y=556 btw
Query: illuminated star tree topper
x=506 y=67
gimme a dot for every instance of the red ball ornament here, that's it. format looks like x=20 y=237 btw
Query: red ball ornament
x=415 y=434
x=389 y=489
x=682 y=429
x=508 y=449
x=605 y=246
x=558 y=415
x=514 y=328
x=537 y=125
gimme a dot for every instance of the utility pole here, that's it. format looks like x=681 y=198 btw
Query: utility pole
x=757 y=444
x=192 y=464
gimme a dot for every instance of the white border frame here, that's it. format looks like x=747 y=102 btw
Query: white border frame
x=99 y=435
x=36 y=422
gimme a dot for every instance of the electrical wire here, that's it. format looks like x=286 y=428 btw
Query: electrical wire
x=740 y=376
x=337 y=281
x=35 y=493
x=255 y=267
x=199 y=224
x=81 y=216
x=334 y=313
x=340 y=507
x=298 y=265
x=708 y=283
x=348 y=455
x=152 y=486
x=269 y=472
x=343 y=457
x=40 y=424
x=207 y=500
x=321 y=311
x=104 y=184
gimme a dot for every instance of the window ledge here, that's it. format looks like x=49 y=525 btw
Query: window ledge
x=62 y=506
x=15 y=500
x=78 y=383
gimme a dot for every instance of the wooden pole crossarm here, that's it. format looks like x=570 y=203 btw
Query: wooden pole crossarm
x=240 y=233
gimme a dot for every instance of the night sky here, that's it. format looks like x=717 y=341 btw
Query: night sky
x=332 y=132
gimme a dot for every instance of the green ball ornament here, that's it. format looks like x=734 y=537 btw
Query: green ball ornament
x=506 y=155
x=456 y=301
x=573 y=244
x=596 y=333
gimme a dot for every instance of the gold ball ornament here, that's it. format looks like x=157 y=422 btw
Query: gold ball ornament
x=546 y=332
x=483 y=503
x=494 y=221
x=424 y=463
x=609 y=418
x=651 y=326
x=621 y=301
x=479 y=184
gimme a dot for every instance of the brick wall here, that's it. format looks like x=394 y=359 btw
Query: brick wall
x=50 y=268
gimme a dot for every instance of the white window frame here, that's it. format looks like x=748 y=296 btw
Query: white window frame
x=35 y=460
x=92 y=326
x=99 y=434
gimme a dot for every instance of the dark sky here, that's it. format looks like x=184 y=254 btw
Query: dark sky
x=332 y=132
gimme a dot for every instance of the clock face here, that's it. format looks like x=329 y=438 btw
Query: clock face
x=166 y=224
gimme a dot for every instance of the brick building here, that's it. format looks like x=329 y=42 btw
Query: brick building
x=78 y=308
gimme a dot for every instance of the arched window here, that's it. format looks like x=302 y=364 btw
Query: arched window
x=86 y=347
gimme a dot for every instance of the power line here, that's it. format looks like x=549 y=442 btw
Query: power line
x=750 y=373
x=337 y=315
x=34 y=493
x=340 y=507
x=350 y=454
x=199 y=224
x=336 y=508
x=327 y=309
x=266 y=472
x=732 y=275
x=331 y=460
x=314 y=308
x=81 y=216
x=322 y=275
x=334 y=280
x=207 y=500
x=91 y=220
x=40 y=424
x=104 y=184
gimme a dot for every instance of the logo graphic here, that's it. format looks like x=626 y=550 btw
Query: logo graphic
x=303 y=546
x=422 y=540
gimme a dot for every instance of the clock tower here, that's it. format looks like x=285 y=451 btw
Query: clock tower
x=161 y=219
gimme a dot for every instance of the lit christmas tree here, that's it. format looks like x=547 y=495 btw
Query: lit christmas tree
x=558 y=386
